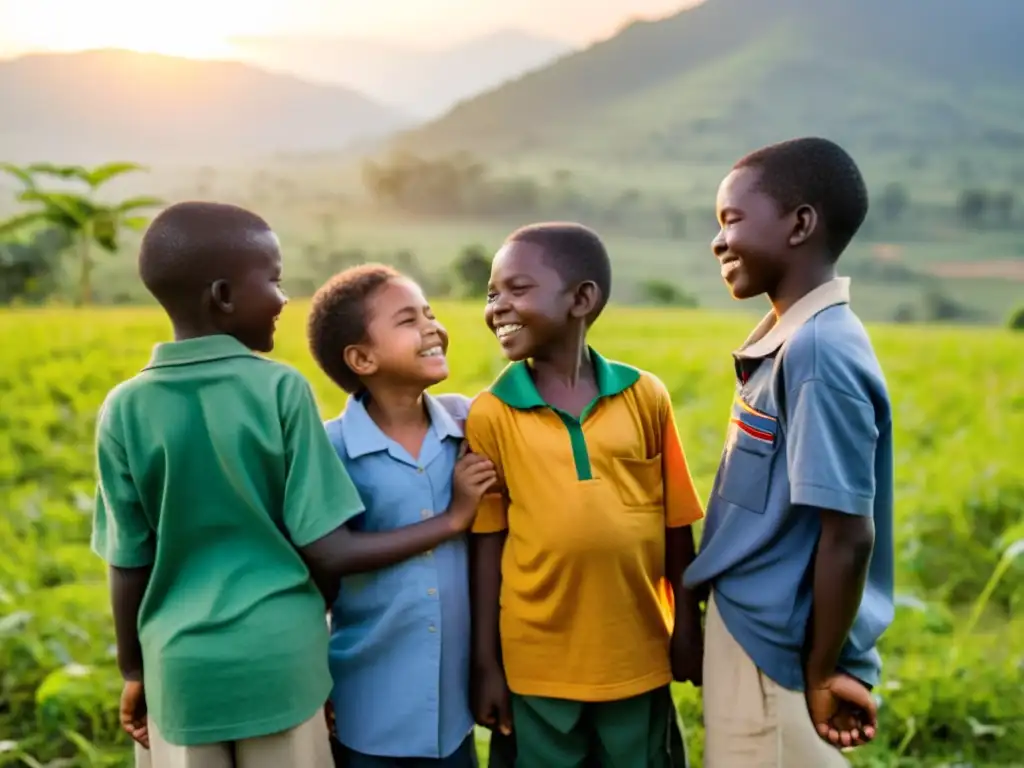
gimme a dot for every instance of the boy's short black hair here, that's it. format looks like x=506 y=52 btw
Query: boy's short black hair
x=575 y=252
x=188 y=244
x=338 y=318
x=817 y=172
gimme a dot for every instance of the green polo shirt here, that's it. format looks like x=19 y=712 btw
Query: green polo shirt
x=213 y=467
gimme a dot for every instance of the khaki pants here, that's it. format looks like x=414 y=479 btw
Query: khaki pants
x=750 y=721
x=305 y=746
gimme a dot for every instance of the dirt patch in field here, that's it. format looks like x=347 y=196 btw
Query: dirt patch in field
x=993 y=269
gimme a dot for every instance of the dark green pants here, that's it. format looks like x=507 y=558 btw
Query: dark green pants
x=641 y=732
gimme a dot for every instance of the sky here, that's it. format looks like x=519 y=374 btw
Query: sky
x=203 y=28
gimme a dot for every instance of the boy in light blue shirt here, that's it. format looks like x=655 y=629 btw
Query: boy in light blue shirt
x=399 y=649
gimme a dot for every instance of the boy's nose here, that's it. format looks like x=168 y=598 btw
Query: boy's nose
x=719 y=246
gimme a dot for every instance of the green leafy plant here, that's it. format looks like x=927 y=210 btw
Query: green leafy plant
x=89 y=222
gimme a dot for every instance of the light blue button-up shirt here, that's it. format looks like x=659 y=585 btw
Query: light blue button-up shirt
x=399 y=651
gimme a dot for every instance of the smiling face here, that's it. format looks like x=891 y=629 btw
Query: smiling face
x=406 y=344
x=250 y=298
x=753 y=244
x=528 y=302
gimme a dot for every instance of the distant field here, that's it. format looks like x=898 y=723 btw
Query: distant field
x=947 y=265
x=953 y=677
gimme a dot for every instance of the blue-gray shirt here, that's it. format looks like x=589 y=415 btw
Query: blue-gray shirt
x=811 y=428
x=399 y=650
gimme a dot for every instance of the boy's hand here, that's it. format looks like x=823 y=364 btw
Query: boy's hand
x=474 y=475
x=491 y=705
x=329 y=717
x=687 y=652
x=843 y=711
x=134 y=719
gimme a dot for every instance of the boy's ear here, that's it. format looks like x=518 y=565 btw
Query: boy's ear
x=805 y=223
x=585 y=299
x=220 y=295
x=359 y=359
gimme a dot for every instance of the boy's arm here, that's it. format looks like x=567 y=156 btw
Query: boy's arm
x=487 y=544
x=682 y=509
x=122 y=536
x=320 y=498
x=831 y=441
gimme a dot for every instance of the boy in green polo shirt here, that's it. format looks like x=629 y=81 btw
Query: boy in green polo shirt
x=219 y=494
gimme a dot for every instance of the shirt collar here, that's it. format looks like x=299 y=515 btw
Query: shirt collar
x=199 y=350
x=515 y=387
x=772 y=332
x=362 y=435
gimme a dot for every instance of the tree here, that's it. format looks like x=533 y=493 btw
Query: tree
x=474 y=270
x=894 y=202
x=29 y=268
x=972 y=205
x=87 y=221
x=1016 y=322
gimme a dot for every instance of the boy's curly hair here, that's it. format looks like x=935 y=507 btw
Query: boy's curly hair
x=338 y=319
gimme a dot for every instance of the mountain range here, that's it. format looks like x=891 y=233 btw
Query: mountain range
x=423 y=82
x=907 y=76
x=913 y=79
x=98 y=105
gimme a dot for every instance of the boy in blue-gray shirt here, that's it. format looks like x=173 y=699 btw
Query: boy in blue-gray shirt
x=797 y=551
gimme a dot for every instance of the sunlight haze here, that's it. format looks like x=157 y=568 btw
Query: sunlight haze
x=203 y=28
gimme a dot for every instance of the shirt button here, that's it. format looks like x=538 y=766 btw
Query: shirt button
x=432 y=628
x=431 y=591
x=425 y=513
x=419 y=470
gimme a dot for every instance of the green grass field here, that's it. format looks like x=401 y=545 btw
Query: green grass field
x=954 y=658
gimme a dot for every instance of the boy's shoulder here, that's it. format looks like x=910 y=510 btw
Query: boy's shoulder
x=650 y=388
x=486 y=405
x=834 y=347
x=457 y=406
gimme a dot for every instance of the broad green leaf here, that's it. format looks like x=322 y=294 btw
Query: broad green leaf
x=15 y=223
x=14 y=623
x=104 y=231
x=134 y=203
x=103 y=173
x=22 y=174
x=60 y=171
x=135 y=223
x=76 y=207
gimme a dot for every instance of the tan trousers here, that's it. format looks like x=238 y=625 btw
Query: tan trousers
x=305 y=746
x=749 y=720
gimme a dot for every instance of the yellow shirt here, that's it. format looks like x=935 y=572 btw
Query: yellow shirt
x=586 y=613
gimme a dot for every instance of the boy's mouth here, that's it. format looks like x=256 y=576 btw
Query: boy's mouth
x=506 y=330
x=432 y=352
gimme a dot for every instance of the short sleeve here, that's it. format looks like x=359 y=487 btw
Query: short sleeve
x=831 y=437
x=319 y=495
x=121 y=532
x=492 y=513
x=682 y=504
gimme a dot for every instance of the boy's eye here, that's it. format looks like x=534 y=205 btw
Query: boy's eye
x=491 y=296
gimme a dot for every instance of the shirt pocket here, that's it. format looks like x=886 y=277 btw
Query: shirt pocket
x=640 y=482
x=747 y=467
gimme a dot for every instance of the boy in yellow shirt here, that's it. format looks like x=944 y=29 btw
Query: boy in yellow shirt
x=585 y=545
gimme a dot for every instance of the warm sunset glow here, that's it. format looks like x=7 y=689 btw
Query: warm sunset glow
x=192 y=28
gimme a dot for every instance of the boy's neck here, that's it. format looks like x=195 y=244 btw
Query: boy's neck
x=397 y=409
x=567 y=364
x=193 y=329
x=800 y=281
